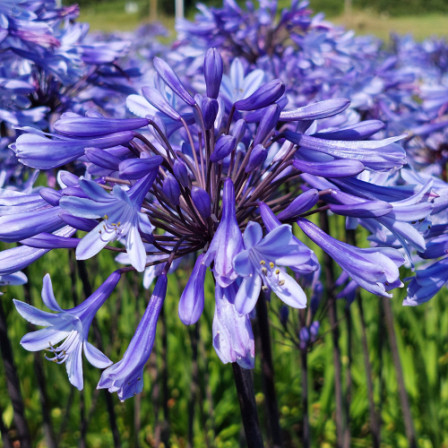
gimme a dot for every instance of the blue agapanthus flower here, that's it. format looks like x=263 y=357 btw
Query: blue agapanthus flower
x=66 y=332
x=222 y=159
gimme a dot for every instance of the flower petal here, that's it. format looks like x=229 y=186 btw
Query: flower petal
x=96 y=357
x=286 y=288
x=34 y=315
x=48 y=295
x=247 y=294
x=43 y=339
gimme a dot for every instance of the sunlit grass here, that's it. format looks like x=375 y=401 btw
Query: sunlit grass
x=113 y=17
x=117 y=19
x=420 y=27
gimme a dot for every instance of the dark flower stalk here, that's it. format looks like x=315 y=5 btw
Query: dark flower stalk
x=246 y=397
x=306 y=430
x=267 y=372
x=13 y=384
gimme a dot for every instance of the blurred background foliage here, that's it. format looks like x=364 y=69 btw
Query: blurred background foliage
x=378 y=17
x=332 y=7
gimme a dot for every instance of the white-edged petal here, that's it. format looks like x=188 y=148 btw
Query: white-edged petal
x=286 y=289
x=34 y=315
x=96 y=357
x=48 y=295
x=43 y=339
x=136 y=249
x=247 y=294
x=74 y=365
x=94 y=241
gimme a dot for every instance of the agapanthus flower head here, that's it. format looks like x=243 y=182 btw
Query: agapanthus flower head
x=218 y=175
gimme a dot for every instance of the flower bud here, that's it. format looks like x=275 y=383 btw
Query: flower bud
x=256 y=158
x=102 y=158
x=262 y=97
x=74 y=125
x=171 y=189
x=267 y=123
x=224 y=146
x=181 y=173
x=191 y=301
x=50 y=195
x=201 y=200
x=137 y=168
x=239 y=129
x=299 y=205
x=321 y=109
x=212 y=72
x=168 y=75
x=210 y=109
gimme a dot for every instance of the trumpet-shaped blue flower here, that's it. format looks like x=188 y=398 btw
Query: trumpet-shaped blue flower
x=233 y=339
x=376 y=269
x=259 y=264
x=70 y=326
x=126 y=376
x=227 y=241
x=122 y=218
x=427 y=283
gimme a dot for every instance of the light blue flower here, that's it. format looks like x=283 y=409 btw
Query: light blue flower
x=233 y=338
x=259 y=264
x=121 y=215
x=70 y=326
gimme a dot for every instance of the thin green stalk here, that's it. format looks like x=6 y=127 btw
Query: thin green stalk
x=333 y=318
x=374 y=429
x=405 y=407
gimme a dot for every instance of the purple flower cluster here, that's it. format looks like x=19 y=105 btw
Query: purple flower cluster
x=263 y=124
